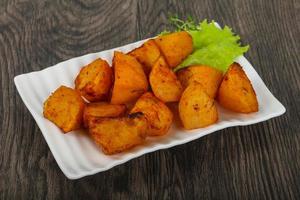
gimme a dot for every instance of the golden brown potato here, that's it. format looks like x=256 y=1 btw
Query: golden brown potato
x=115 y=135
x=236 y=92
x=156 y=112
x=175 y=47
x=130 y=79
x=147 y=54
x=196 y=108
x=64 y=108
x=164 y=82
x=102 y=109
x=94 y=80
x=209 y=77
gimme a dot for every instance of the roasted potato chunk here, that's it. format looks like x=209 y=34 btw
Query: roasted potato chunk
x=115 y=135
x=175 y=47
x=130 y=79
x=147 y=54
x=209 y=77
x=164 y=82
x=236 y=92
x=156 y=112
x=94 y=80
x=64 y=108
x=196 y=108
x=102 y=109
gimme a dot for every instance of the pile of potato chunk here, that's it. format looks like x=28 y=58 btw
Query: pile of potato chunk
x=122 y=105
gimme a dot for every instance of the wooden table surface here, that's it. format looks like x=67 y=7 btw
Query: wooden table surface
x=260 y=161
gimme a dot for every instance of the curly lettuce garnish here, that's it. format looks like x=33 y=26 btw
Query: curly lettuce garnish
x=213 y=46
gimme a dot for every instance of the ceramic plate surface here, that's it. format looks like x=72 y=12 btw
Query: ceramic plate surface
x=77 y=155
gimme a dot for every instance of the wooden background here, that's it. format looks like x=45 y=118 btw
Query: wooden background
x=260 y=161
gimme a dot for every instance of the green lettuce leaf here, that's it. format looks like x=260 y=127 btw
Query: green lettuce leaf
x=213 y=46
x=220 y=56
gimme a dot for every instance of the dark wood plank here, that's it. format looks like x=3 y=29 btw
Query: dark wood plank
x=254 y=162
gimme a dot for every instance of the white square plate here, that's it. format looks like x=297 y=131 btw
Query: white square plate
x=78 y=156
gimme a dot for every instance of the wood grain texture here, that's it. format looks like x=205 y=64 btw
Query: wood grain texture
x=260 y=161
